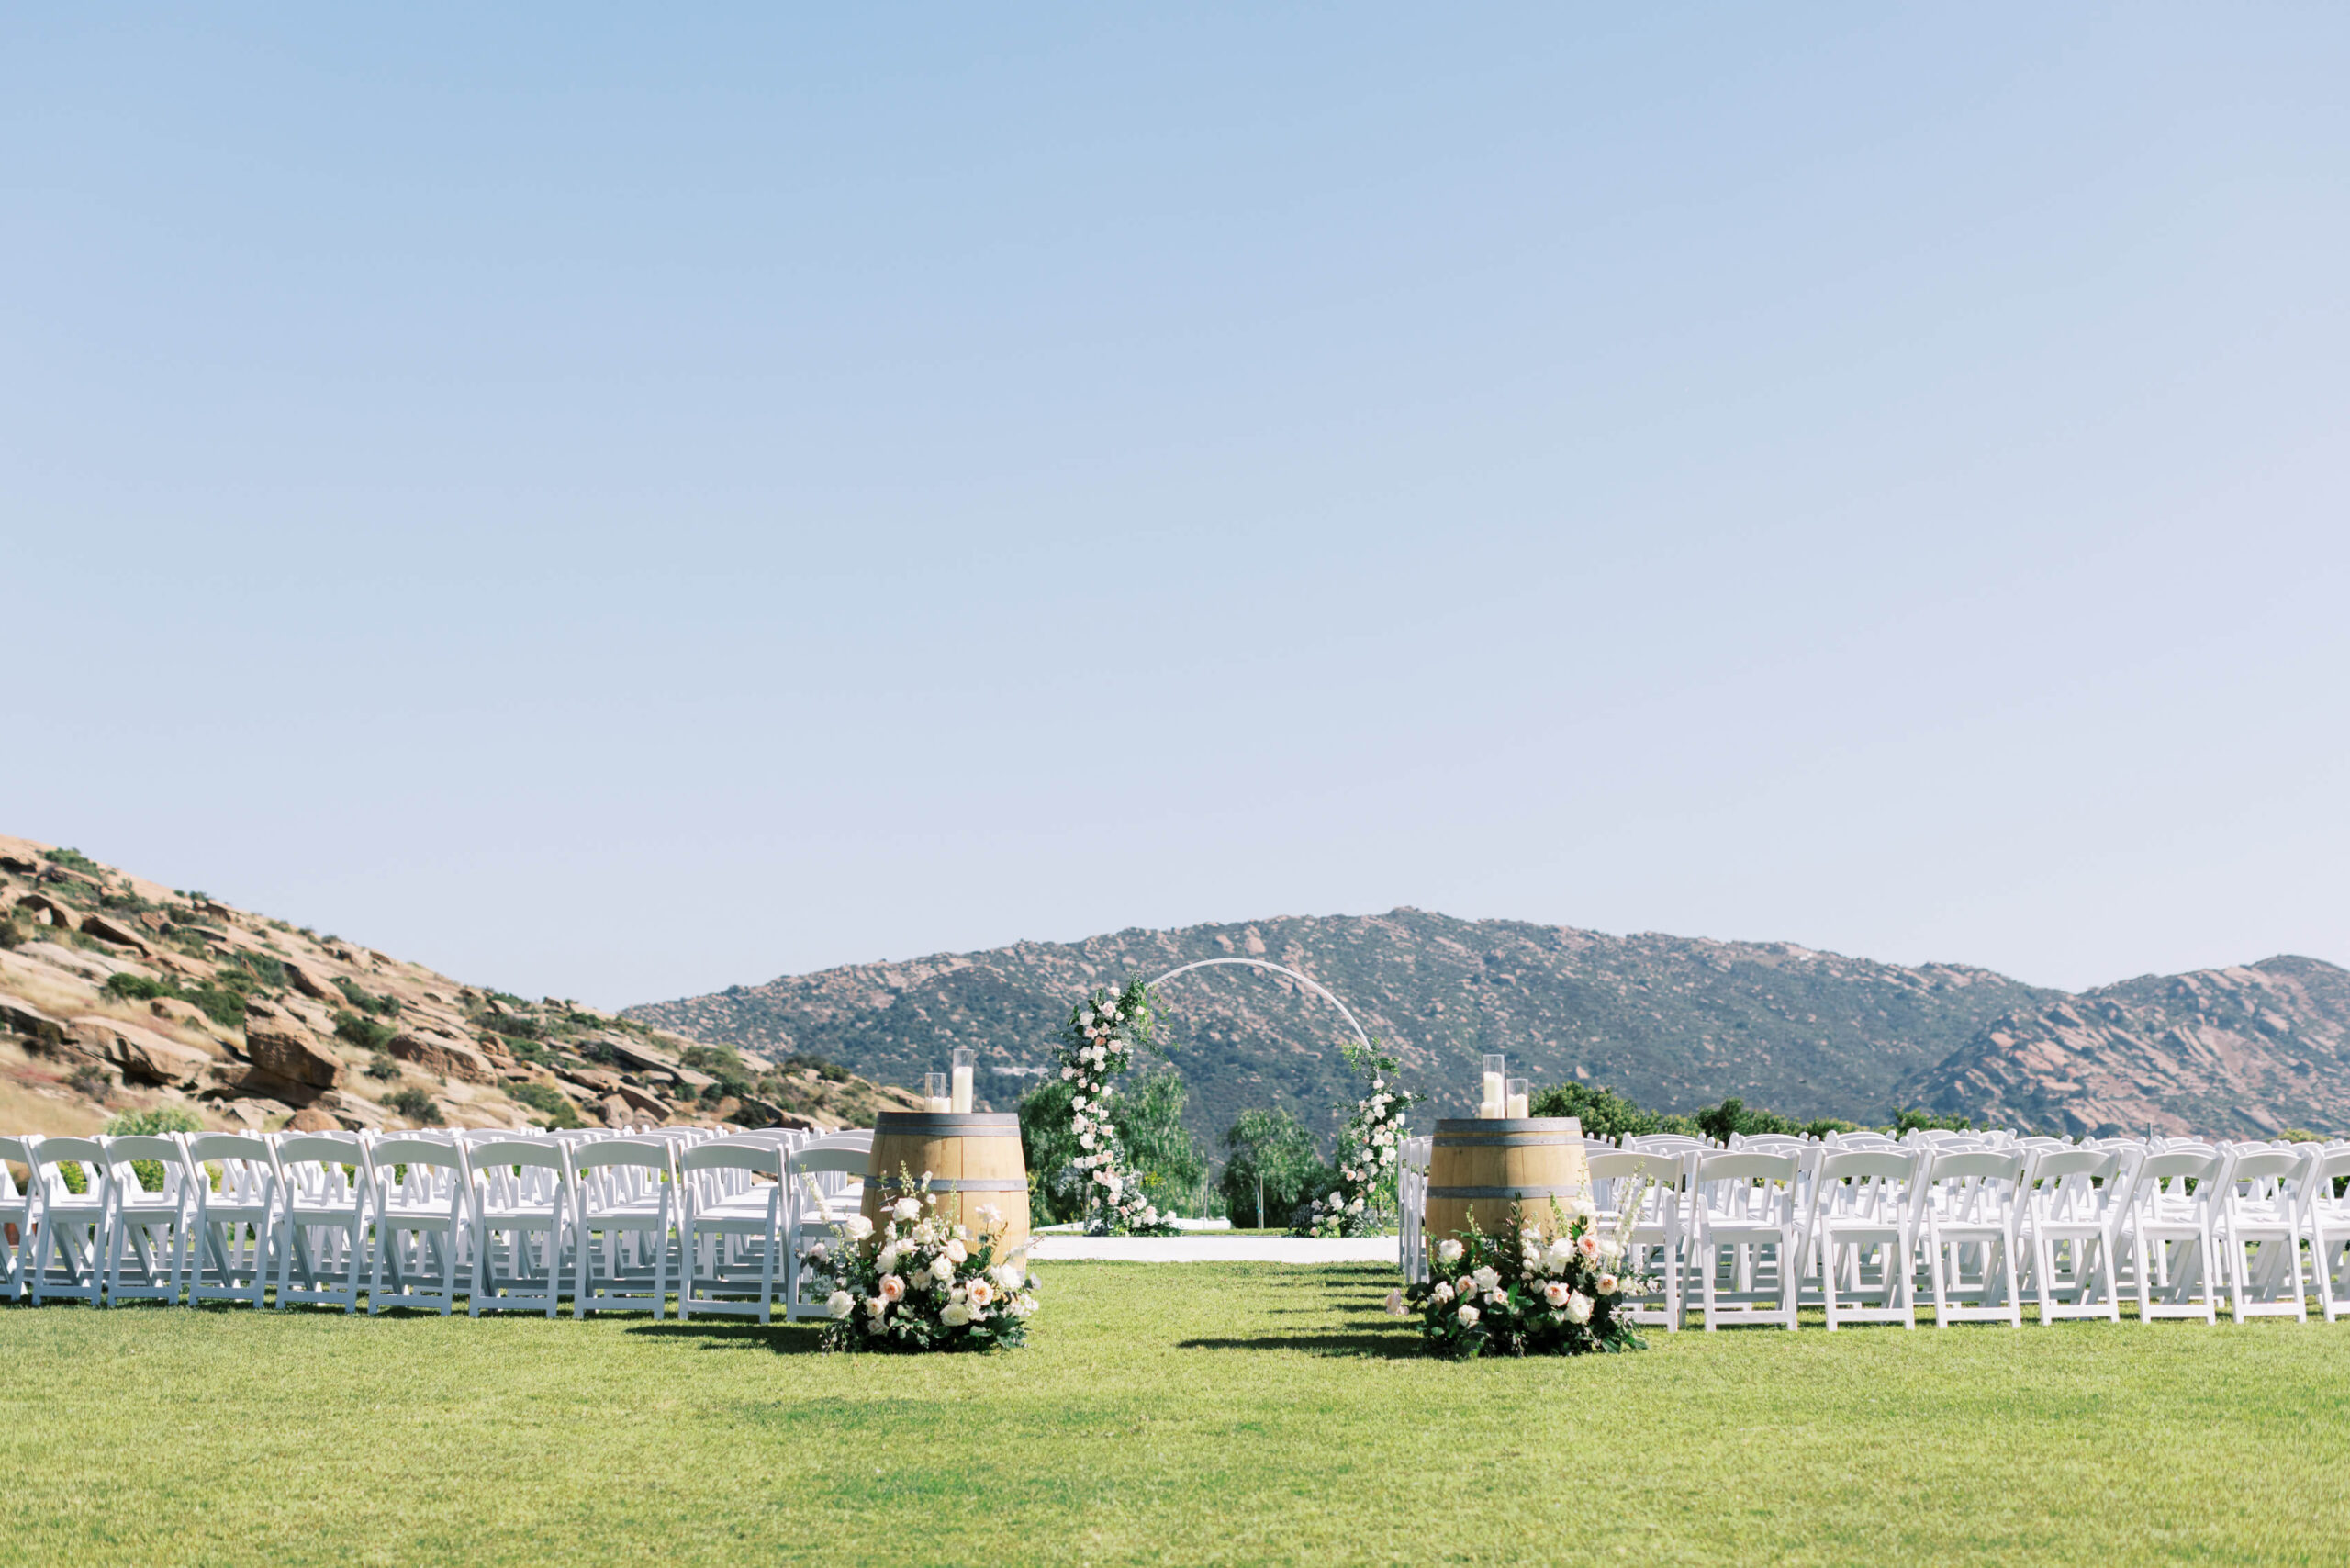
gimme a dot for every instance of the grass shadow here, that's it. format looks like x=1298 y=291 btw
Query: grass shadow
x=1387 y=1347
x=776 y=1339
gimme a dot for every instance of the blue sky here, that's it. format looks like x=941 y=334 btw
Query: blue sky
x=614 y=504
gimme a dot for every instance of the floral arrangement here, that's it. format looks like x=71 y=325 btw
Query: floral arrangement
x=919 y=1283
x=1097 y=1045
x=1363 y=1203
x=1515 y=1294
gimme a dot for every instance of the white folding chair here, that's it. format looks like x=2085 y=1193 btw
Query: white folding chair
x=1411 y=1205
x=323 y=1220
x=235 y=1179
x=69 y=1258
x=2259 y=1229
x=2168 y=1225
x=421 y=1187
x=523 y=1192
x=1746 y=1203
x=147 y=1230
x=628 y=1193
x=1864 y=1228
x=1968 y=1229
x=808 y=1219
x=733 y=1239
x=2325 y=1217
x=18 y=1210
x=1651 y=1185
x=2071 y=1229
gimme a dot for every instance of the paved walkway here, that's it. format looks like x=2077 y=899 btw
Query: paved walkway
x=1211 y=1248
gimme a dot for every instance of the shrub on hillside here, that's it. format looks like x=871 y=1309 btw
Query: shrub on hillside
x=1603 y=1112
x=416 y=1105
x=549 y=1103
x=364 y=1033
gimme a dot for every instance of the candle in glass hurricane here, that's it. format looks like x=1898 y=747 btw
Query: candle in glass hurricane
x=933 y=1089
x=1517 y=1097
x=1491 y=1103
x=964 y=1058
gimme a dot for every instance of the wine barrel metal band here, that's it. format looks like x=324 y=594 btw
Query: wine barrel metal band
x=978 y=1123
x=1508 y=1191
x=1507 y=1140
x=958 y=1184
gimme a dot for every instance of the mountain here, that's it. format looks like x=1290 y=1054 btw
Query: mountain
x=2247 y=1051
x=1673 y=1021
x=120 y=995
x=1676 y=1023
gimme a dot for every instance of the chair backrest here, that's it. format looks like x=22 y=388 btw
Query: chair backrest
x=1738 y=1165
x=817 y=1158
x=2200 y=1165
x=204 y=1147
x=88 y=1154
x=1868 y=1164
x=1620 y=1164
x=653 y=1156
x=406 y=1150
x=2266 y=1164
x=531 y=1153
x=729 y=1154
x=320 y=1148
x=1977 y=1164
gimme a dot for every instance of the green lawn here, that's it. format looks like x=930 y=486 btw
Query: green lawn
x=1209 y=1414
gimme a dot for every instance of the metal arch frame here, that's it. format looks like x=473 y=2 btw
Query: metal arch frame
x=1306 y=980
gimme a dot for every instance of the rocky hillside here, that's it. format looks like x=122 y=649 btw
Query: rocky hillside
x=2247 y=1051
x=116 y=993
x=1675 y=1023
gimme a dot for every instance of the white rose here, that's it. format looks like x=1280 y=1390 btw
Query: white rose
x=907 y=1210
x=981 y=1293
x=858 y=1226
x=875 y=1306
x=1578 y=1307
x=1448 y=1251
x=1468 y=1315
x=943 y=1269
x=955 y=1250
x=1355 y=1207
x=892 y=1288
x=1443 y=1294
x=1387 y=1156
x=1486 y=1278
x=1069 y=1072
x=1150 y=1213
x=1113 y=1183
x=888 y=1261
x=955 y=1314
x=840 y=1303
x=1085 y=1019
x=1085 y=1140
x=1608 y=1284
x=1008 y=1275
x=990 y=1214
x=1556 y=1293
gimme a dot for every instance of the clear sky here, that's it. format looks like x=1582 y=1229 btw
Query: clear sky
x=619 y=503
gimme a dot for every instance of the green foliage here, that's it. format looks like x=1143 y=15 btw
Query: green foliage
x=91 y=1081
x=225 y=1008
x=1273 y=1168
x=712 y=1059
x=364 y=1033
x=365 y=1001
x=549 y=1103
x=416 y=1105
x=77 y=861
x=384 y=1069
x=733 y=1083
x=2300 y=1134
x=1916 y=1117
x=830 y=1071
x=1604 y=1112
x=1148 y=1120
x=11 y=933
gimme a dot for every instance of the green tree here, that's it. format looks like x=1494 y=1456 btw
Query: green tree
x=1146 y=1111
x=1603 y=1112
x=1273 y=1165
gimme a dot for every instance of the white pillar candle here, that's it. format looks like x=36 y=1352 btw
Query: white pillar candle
x=962 y=1086
x=1517 y=1097
x=1492 y=1104
x=934 y=1091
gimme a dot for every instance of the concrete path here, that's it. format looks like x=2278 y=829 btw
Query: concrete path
x=1213 y=1248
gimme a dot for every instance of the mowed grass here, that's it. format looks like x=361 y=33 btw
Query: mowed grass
x=1202 y=1414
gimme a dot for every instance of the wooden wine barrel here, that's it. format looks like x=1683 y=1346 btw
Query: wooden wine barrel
x=1482 y=1168
x=973 y=1160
